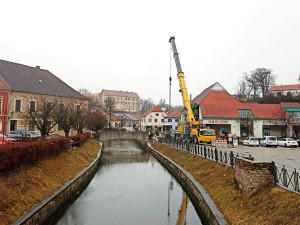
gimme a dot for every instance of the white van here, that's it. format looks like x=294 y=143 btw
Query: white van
x=269 y=141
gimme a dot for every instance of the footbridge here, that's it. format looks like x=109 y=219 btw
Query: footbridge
x=118 y=135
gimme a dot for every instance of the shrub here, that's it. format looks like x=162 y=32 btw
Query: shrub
x=12 y=156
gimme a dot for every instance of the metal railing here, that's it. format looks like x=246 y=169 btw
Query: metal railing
x=286 y=177
x=207 y=152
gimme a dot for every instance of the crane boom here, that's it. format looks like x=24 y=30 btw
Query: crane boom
x=183 y=89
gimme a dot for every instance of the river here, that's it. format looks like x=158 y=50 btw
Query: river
x=130 y=187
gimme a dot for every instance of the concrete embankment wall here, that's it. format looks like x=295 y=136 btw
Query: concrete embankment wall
x=202 y=202
x=46 y=211
x=115 y=135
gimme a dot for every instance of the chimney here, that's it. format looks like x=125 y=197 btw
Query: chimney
x=38 y=67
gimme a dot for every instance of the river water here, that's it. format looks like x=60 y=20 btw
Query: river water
x=130 y=187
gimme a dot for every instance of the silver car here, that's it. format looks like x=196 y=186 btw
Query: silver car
x=288 y=142
x=269 y=141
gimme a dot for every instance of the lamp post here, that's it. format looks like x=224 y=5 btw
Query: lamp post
x=187 y=129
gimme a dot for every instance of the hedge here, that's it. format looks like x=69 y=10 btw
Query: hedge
x=24 y=153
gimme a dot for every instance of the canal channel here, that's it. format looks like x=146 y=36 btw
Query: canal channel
x=130 y=187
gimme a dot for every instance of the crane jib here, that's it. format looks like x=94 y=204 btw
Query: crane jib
x=176 y=57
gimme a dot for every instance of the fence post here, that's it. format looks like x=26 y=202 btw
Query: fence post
x=225 y=156
x=296 y=181
x=284 y=176
x=274 y=171
x=205 y=154
x=231 y=156
x=216 y=154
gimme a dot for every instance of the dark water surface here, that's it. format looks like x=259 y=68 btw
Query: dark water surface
x=130 y=187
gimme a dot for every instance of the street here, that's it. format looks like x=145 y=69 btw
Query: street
x=282 y=155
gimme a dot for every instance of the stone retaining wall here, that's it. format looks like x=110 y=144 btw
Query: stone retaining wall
x=113 y=135
x=202 y=202
x=252 y=176
x=46 y=211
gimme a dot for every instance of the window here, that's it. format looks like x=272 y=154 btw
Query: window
x=155 y=120
x=1 y=106
x=18 y=105
x=31 y=125
x=156 y=114
x=48 y=106
x=149 y=120
x=48 y=124
x=77 y=107
x=176 y=120
x=162 y=120
x=61 y=107
x=32 y=106
x=169 y=120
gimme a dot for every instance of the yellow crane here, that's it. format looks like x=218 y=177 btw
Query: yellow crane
x=197 y=134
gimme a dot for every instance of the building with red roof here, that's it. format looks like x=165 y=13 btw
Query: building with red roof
x=125 y=101
x=291 y=89
x=171 y=120
x=152 y=119
x=224 y=113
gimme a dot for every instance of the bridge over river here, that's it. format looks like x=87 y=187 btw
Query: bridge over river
x=130 y=187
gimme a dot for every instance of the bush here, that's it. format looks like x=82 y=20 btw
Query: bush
x=12 y=156
x=81 y=138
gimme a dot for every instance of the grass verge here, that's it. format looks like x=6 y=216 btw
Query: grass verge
x=24 y=187
x=271 y=205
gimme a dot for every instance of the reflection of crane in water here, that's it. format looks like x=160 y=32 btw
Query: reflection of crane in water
x=182 y=212
x=184 y=203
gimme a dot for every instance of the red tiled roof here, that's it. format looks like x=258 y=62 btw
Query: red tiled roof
x=88 y=95
x=99 y=110
x=285 y=87
x=120 y=93
x=290 y=104
x=174 y=114
x=222 y=105
x=266 y=111
x=154 y=109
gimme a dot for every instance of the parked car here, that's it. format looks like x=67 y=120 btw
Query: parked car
x=34 y=134
x=6 y=140
x=16 y=134
x=269 y=141
x=251 y=141
x=288 y=142
x=298 y=141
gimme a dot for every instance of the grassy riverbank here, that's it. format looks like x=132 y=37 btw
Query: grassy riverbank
x=24 y=187
x=272 y=205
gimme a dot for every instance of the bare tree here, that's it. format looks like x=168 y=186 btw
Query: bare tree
x=81 y=118
x=65 y=116
x=281 y=118
x=264 y=79
x=41 y=114
x=109 y=105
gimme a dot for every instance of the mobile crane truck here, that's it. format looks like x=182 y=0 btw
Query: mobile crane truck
x=196 y=134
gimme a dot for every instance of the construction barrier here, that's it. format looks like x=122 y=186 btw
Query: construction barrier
x=219 y=143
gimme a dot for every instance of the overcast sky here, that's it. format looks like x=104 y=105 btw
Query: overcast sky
x=123 y=45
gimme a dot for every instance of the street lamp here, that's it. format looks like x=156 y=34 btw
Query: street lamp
x=187 y=129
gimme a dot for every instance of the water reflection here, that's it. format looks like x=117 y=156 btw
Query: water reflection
x=131 y=187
